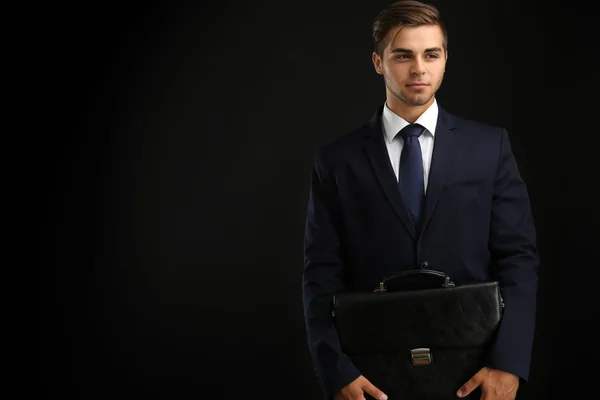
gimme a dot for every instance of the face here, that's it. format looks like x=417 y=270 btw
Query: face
x=413 y=64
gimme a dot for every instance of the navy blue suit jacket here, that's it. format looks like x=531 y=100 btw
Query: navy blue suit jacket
x=477 y=226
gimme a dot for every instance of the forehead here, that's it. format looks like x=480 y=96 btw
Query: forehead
x=416 y=38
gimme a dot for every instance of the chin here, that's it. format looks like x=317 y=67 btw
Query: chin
x=417 y=102
x=420 y=100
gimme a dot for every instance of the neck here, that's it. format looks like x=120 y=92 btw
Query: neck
x=408 y=112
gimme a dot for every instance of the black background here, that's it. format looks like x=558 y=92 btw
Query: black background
x=164 y=172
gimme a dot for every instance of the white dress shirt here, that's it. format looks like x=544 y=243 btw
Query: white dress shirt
x=393 y=123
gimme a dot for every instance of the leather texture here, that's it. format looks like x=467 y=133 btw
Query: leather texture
x=416 y=279
x=378 y=330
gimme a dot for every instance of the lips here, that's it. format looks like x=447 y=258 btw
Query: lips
x=417 y=86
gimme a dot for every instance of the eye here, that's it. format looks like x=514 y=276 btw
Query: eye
x=433 y=55
x=402 y=56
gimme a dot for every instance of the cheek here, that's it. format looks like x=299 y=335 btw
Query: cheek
x=436 y=74
x=394 y=79
x=397 y=74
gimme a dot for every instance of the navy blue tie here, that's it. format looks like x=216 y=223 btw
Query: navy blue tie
x=410 y=177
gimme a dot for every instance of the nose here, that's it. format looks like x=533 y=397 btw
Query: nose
x=418 y=66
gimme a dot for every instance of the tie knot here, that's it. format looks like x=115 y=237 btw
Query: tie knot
x=412 y=130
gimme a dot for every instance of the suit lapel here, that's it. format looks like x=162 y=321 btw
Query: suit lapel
x=441 y=161
x=376 y=151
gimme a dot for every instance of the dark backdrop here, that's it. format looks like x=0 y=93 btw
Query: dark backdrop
x=165 y=184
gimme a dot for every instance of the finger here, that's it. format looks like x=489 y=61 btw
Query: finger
x=356 y=395
x=369 y=388
x=471 y=384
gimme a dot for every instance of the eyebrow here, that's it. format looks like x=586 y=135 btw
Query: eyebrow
x=429 y=50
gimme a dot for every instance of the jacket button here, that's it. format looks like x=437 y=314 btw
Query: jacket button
x=424 y=264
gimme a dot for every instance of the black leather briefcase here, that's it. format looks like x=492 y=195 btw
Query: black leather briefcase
x=418 y=336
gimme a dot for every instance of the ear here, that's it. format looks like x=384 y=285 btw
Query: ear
x=446 y=60
x=377 y=63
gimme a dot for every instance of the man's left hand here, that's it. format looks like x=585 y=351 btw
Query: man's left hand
x=495 y=385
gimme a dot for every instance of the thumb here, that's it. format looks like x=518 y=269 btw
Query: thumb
x=369 y=388
x=471 y=384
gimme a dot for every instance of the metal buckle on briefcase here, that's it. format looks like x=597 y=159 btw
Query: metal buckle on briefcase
x=420 y=356
x=381 y=288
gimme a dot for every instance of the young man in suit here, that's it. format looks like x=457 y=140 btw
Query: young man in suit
x=448 y=195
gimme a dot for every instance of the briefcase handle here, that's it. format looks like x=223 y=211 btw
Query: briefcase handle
x=415 y=279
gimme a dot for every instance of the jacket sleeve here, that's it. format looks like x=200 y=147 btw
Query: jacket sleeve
x=323 y=275
x=512 y=245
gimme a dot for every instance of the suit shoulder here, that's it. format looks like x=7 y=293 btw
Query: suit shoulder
x=477 y=127
x=339 y=146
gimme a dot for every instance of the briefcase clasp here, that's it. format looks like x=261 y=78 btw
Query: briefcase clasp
x=447 y=282
x=381 y=288
x=420 y=356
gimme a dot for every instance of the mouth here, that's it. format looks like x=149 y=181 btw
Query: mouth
x=417 y=85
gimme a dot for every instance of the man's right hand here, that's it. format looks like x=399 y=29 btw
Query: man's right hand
x=356 y=389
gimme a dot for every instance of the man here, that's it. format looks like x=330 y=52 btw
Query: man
x=469 y=214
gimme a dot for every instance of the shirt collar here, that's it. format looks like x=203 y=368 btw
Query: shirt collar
x=393 y=123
